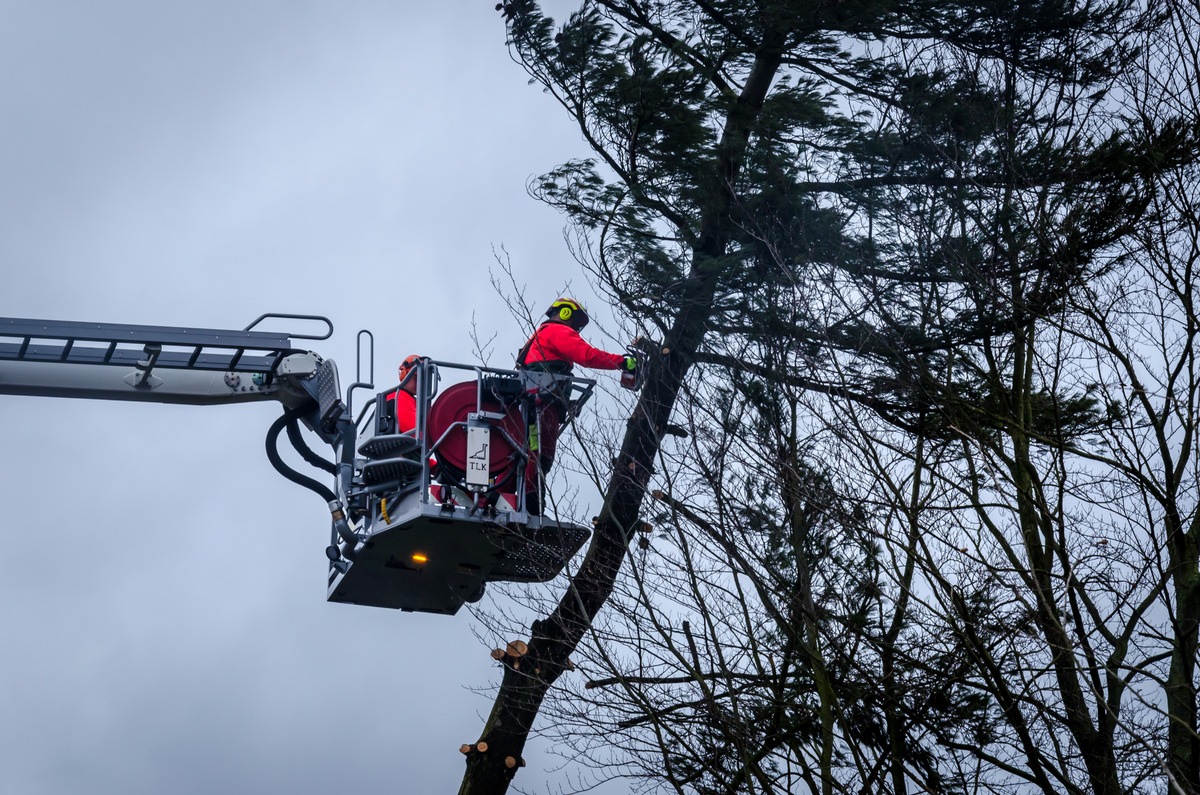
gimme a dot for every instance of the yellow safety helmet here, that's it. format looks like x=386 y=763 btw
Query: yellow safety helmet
x=569 y=311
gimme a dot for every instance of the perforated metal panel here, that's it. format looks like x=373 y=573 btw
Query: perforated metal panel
x=393 y=445
x=537 y=554
x=390 y=470
x=329 y=393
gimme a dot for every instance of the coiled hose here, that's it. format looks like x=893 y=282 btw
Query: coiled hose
x=288 y=420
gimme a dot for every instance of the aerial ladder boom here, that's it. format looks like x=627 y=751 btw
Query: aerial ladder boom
x=160 y=364
x=421 y=518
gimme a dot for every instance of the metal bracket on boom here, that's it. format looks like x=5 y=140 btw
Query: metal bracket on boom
x=153 y=351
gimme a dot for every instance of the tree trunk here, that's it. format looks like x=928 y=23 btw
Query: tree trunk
x=1183 y=742
x=555 y=637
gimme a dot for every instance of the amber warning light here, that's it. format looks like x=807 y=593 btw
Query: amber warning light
x=419 y=557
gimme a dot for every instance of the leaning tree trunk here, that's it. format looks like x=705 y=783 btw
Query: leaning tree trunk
x=494 y=759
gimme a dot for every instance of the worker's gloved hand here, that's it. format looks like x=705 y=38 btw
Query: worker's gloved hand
x=631 y=363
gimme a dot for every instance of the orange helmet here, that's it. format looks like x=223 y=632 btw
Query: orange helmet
x=406 y=367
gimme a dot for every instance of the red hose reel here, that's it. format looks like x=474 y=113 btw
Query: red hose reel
x=447 y=427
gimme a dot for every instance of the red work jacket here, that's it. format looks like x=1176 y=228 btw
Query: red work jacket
x=558 y=342
x=406 y=409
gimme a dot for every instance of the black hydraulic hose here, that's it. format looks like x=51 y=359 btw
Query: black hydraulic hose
x=306 y=452
x=282 y=468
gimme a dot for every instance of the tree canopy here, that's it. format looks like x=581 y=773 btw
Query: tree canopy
x=895 y=254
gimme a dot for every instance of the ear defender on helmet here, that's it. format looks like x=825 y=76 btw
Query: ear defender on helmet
x=409 y=362
x=568 y=310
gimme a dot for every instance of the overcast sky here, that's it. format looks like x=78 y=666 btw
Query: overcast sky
x=162 y=590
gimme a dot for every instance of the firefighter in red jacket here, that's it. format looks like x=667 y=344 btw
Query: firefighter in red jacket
x=405 y=398
x=405 y=401
x=555 y=348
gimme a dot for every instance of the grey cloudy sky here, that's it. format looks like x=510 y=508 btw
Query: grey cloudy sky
x=198 y=164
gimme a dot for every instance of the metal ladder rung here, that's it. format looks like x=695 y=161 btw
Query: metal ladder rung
x=110 y=355
x=193 y=349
